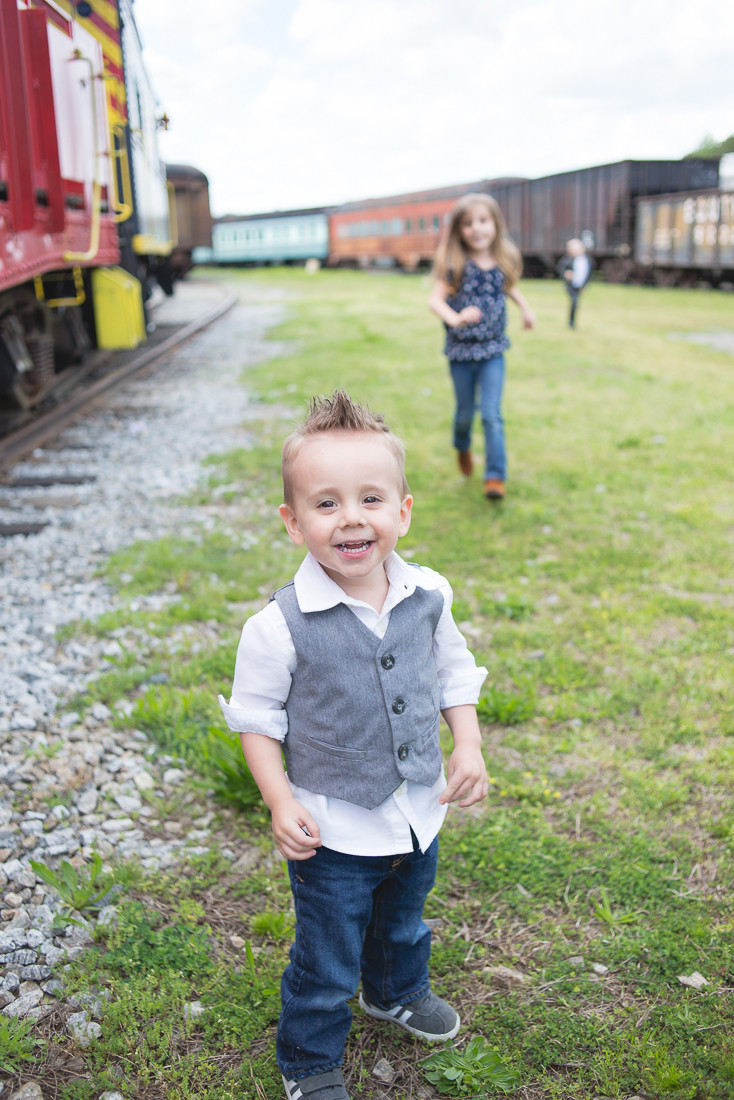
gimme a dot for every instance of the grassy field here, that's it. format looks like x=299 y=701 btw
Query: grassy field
x=576 y=910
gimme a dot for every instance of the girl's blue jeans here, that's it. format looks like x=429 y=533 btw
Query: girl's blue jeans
x=356 y=916
x=488 y=377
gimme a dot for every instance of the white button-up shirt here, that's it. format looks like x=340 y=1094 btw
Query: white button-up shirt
x=266 y=659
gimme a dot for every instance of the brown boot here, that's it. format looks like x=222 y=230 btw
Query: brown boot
x=494 y=489
x=466 y=464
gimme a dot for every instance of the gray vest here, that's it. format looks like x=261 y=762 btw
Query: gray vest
x=363 y=712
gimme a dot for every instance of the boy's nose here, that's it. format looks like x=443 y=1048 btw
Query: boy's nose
x=353 y=516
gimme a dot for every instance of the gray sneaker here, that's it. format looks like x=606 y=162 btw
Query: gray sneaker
x=320 y=1086
x=429 y=1017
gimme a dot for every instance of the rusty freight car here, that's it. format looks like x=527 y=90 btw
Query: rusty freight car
x=400 y=230
x=193 y=219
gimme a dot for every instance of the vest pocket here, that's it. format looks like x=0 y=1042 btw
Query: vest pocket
x=335 y=750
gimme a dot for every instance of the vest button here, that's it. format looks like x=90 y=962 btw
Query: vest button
x=399 y=705
x=387 y=661
x=403 y=752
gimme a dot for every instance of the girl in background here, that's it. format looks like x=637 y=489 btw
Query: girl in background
x=476 y=266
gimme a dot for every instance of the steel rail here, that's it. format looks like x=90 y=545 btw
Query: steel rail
x=19 y=443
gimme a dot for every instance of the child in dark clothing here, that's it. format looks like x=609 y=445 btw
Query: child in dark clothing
x=347 y=671
x=575 y=268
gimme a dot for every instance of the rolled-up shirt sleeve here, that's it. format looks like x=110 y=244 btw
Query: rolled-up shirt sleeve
x=263 y=671
x=459 y=676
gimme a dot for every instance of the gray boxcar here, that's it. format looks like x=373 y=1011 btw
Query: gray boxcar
x=685 y=238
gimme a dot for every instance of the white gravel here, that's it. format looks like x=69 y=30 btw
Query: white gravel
x=144 y=450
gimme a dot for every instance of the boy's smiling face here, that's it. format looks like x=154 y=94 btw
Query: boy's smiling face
x=347 y=508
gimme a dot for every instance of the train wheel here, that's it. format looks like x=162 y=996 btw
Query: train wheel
x=27 y=361
x=617 y=270
x=664 y=276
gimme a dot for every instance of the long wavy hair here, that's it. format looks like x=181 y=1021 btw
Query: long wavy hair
x=451 y=255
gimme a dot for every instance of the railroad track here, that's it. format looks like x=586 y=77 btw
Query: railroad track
x=17 y=442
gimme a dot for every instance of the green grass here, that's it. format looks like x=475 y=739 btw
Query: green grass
x=599 y=595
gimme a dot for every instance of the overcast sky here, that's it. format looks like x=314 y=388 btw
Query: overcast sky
x=297 y=103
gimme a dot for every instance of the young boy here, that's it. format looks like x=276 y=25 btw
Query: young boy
x=347 y=671
x=575 y=267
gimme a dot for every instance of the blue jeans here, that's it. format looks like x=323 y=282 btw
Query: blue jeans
x=488 y=375
x=355 y=916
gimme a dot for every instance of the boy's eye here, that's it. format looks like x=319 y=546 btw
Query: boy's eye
x=325 y=504
x=372 y=499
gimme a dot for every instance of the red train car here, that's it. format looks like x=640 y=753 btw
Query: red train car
x=53 y=173
x=401 y=229
x=84 y=212
x=56 y=210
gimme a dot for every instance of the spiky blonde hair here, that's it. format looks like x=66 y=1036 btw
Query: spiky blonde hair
x=339 y=413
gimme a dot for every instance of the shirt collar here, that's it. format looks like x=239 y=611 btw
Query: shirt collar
x=316 y=591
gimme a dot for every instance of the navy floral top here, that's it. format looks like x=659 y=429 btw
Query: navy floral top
x=487 y=338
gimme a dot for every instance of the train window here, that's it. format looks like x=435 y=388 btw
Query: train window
x=397 y=226
x=421 y=223
x=435 y=222
x=408 y=225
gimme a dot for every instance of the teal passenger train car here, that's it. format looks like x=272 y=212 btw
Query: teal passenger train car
x=288 y=237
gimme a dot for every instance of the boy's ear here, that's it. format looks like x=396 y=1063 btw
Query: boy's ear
x=291 y=524
x=406 y=509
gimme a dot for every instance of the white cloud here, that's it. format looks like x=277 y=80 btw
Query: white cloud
x=287 y=103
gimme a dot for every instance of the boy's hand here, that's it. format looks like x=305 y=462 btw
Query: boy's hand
x=467 y=777
x=290 y=822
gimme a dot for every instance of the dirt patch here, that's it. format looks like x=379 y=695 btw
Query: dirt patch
x=718 y=339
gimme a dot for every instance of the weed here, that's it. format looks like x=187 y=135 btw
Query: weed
x=17 y=1045
x=82 y=890
x=139 y=943
x=667 y=1078
x=471 y=1072
x=273 y=924
x=506 y=708
x=78 y=1090
x=515 y=608
x=612 y=918
x=232 y=778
